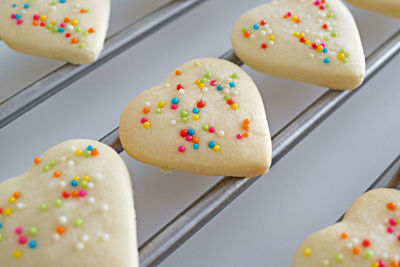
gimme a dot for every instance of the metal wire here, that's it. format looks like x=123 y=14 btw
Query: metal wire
x=52 y=83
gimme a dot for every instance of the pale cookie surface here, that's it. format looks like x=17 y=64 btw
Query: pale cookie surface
x=369 y=235
x=73 y=207
x=305 y=40
x=68 y=30
x=386 y=7
x=206 y=118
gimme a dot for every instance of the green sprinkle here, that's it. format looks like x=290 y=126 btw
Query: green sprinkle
x=208 y=75
x=89 y=10
x=33 y=231
x=85 y=33
x=78 y=222
x=84 y=184
x=78 y=29
x=339 y=257
x=235 y=76
x=58 y=203
x=330 y=15
x=334 y=34
x=204 y=127
x=184 y=113
x=184 y=119
x=82 y=45
x=327 y=5
x=53 y=163
x=227 y=97
x=327 y=38
x=369 y=254
x=55 y=29
x=244 y=29
x=345 y=60
x=158 y=110
x=43 y=207
x=204 y=80
x=49 y=26
x=88 y=153
x=46 y=168
x=196 y=63
x=53 y=3
x=1 y=236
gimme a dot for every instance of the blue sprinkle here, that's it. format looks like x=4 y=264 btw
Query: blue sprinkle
x=175 y=100
x=18 y=16
x=211 y=144
x=26 y=6
x=232 y=84
x=32 y=244
x=220 y=87
x=90 y=148
x=196 y=111
x=14 y=5
x=325 y=50
x=326 y=60
x=63 y=1
x=61 y=29
x=256 y=26
x=196 y=146
x=74 y=183
x=1 y=225
x=191 y=132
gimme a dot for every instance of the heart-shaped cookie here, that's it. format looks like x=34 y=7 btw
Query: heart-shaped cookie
x=386 y=7
x=69 y=30
x=314 y=41
x=73 y=207
x=206 y=118
x=369 y=235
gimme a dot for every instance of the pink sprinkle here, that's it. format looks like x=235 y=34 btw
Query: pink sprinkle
x=143 y=120
x=381 y=263
x=82 y=193
x=239 y=136
x=36 y=17
x=19 y=21
x=189 y=138
x=392 y=222
x=398 y=237
x=19 y=230
x=211 y=130
x=323 y=44
x=390 y=229
x=317 y=3
x=13 y=16
x=181 y=149
x=213 y=83
x=289 y=14
x=62 y=25
x=174 y=106
x=22 y=240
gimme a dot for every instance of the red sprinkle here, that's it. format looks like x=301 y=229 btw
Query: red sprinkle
x=201 y=104
x=264 y=46
x=184 y=132
x=366 y=243
x=65 y=194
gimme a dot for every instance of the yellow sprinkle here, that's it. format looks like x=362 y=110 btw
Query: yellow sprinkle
x=197 y=82
x=147 y=125
x=235 y=106
x=217 y=148
x=196 y=117
x=75 y=22
x=294 y=17
x=43 y=18
x=11 y=200
x=307 y=42
x=201 y=85
x=320 y=48
x=8 y=211
x=77 y=178
x=53 y=22
x=161 y=104
x=296 y=34
x=272 y=37
x=18 y=254
x=78 y=152
x=307 y=252
x=86 y=178
x=301 y=35
x=375 y=264
x=341 y=56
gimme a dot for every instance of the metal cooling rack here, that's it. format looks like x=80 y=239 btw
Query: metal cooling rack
x=203 y=209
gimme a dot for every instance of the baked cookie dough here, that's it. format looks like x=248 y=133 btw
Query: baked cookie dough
x=385 y=7
x=68 y=30
x=206 y=118
x=73 y=207
x=314 y=41
x=369 y=235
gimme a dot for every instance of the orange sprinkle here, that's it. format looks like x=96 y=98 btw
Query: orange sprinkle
x=17 y=195
x=246 y=34
x=285 y=16
x=82 y=10
x=67 y=19
x=146 y=110
x=344 y=235
x=91 y=30
x=75 y=193
x=246 y=121
x=246 y=127
x=394 y=264
x=57 y=174
x=298 y=20
x=37 y=161
x=196 y=140
x=178 y=72
x=95 y=152
x=356 y=250
x=245 y=134
x=35 y=23
x=74 y=40
x=60 y=230
x=391 y=205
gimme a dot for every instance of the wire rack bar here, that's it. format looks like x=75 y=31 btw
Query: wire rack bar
x=52 y=83
x=202 y=210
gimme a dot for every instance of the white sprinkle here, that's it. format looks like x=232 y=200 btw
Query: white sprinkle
x=172 y=122
x=71 y=28
x=77 y=5
x=325 y=263
x=63 y=184
x=269 y=31
x=104 y=208
x=220 y=133
x=396 y=257
x=63 y=219
x=385 y=256
x=355 y=241
x=105 y=237
x=147 y=104
x=204 y=89
x=167 y=85
x=235 y=93
x=311 y=55
x=97 y=176
x=317 y=41
x=23 y=11
x=295 y=25
x=350 y=245
x=56 y=237
x=91 y=200
x=307 y=30
x=54 y=7
x=80 y=246
x=263 y=33
x=71 y=163
x=226 y=90
x=323 y=14
x=73 y=148
x=20 y=205
x=63 y=158
x=85 y=238
x=271 y=43
x=181 y=91
x=252 y=36
x=90 y=185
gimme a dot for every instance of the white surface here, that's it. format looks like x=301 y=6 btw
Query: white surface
x=309 y=189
